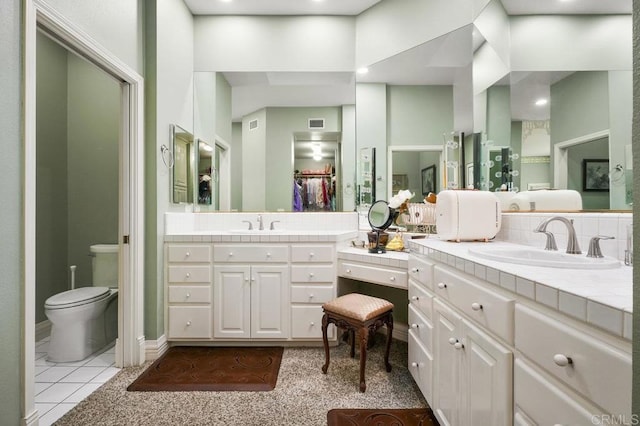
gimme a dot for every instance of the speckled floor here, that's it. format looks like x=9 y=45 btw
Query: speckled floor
x=303 y=395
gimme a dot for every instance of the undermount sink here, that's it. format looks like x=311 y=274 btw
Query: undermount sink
x=538 y=257
x=256 y=231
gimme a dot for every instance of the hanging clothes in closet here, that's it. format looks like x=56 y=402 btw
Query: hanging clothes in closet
x=315 y=192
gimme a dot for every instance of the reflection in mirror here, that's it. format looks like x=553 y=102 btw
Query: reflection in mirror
x=316 y=166
x=407 y=166
x=207 y=175
x=267 y=112
x=419 y=97
x=182 y=175
x=366 y=177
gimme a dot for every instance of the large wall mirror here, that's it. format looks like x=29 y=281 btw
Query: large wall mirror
x=288 y=135
x=554 y=99
x=410 y=107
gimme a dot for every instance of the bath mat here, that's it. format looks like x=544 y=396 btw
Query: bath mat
x=381 y=417
x=196 y=368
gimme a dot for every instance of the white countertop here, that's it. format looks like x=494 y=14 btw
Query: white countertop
x=397 y=259
x=603 y=297
x=261 y=236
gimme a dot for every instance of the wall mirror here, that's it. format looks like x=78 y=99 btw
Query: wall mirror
x=272 y=122
x=408 y=107
x=182 y=172
x=554 y=106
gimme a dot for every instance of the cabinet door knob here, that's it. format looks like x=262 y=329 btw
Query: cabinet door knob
x=452 y=340
x=268 y=254
x=188 y=274
x=187 y=254
x=311 y=296
x=415 y=326
x=348 y=271
x=188 y=295
x=392 y=278
x=311 y=274
x=442 y=285
x=476 y=306
x=414 y=270
x=311 y=254
x=562 y=360
x=414 y=364
x=312 y=324
x=188 y=323
x=458 y=345
x=230 y=253
x=415 y=298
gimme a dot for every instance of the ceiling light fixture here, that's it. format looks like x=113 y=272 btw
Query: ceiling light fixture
x=317 y=157
x=362 y=70
x=541 y=102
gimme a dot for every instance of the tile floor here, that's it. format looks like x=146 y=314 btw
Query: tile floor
x=60 y=386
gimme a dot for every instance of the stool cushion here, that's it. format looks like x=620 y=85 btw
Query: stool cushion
x=358 y=306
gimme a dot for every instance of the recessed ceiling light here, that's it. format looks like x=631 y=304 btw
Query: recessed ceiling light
x=317 y=157
x=226 y=1
x=363 y=70
x=541 y=102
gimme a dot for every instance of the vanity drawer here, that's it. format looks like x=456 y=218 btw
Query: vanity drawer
x=486 y=307
x=189 y=274
x=421 y=328
x=311 y=253
x=249 y=254
x=312 y=294
x=189 y=294
x=189 y=253
x=540 y=402
x=313 y=273
x=421 y=271
x=421 y=299
x=373 y=274
x=190 y=322
x=306 y=323
x=596 y=369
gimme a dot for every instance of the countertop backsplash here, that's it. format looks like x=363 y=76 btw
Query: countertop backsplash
x=518 y=228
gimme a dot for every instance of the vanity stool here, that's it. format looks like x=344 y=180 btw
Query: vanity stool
x=359 y=315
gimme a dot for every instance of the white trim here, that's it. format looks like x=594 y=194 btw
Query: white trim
x=224 y=174
x=404 y=148
x=154 y=349
x=130 y=343
x=561 y=156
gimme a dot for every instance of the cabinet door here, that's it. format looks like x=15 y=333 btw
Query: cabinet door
x=487 y=385
x=270 y=304
x=447 y=359
x=231 y=301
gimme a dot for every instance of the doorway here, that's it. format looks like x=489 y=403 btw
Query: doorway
x=129 y=346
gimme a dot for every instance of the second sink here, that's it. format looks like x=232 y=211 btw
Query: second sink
x=537 y=257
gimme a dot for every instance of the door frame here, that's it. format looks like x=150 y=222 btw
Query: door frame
x=130 y=345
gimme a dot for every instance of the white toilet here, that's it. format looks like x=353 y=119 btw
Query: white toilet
x=85 y=319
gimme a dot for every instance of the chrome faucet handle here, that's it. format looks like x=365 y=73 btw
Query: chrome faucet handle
x=594 y=245
x=250 y=224
x=260 y=223
x=271 y=227
x=551 y=241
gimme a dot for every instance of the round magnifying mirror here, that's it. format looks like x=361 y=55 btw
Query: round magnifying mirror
x=380 y=215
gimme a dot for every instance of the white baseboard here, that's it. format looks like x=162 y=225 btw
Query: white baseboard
x=400 y=331
x=155 y=348
x=43 y=329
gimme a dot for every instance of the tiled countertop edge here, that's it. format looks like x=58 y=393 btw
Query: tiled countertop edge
x=609 y=318
x=277 y=238
x=392 y=259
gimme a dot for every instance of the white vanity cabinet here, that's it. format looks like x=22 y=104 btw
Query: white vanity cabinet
x=473 y=373
x=313 y=282
x=189 y=296
x=251 y=291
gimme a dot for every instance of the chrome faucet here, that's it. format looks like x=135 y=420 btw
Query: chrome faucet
x=250 y=224
x=594 y=246
x=572 y=241
x=260 y=223
x=271 y=227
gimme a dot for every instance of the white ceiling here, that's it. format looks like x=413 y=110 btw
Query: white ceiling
x=279 y=7
x=441 y=61
x=355 y=7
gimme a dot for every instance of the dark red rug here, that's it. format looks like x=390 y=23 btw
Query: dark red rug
x=196 y=368
x=381 y=417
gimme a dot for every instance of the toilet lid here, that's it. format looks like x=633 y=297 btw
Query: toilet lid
x=76 y=297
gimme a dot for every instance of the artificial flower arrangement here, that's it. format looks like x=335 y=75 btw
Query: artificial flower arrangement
x=400 y=201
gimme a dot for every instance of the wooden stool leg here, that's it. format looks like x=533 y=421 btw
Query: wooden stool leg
x=352 y=339
x=325 y=341
x=364 y=336
x=389 y=323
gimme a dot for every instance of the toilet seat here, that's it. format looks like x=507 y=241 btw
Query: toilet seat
x=77 y=297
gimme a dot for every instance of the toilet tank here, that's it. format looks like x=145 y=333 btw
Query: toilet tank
x=104 y=265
